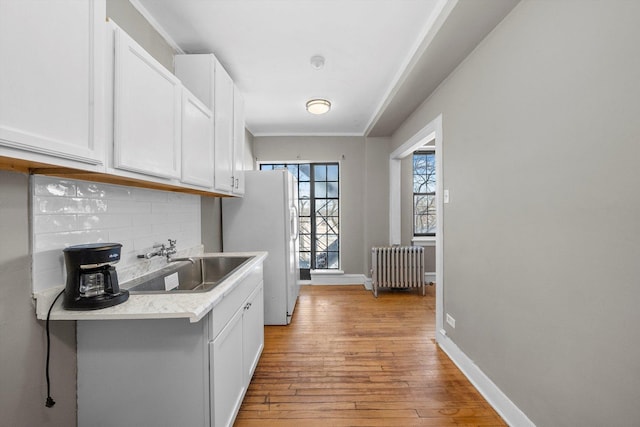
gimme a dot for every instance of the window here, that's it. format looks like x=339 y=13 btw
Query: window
x=319 y=213
x=424 y=193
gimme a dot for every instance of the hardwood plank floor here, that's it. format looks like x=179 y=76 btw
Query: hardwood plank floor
x=349 y=359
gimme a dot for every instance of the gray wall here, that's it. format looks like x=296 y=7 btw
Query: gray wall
x=541 y=243
x=211 y=206
x=22 y=337
x=133 y=23
x=376 y=197
x=352 y=182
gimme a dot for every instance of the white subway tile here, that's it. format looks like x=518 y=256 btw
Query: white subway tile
x=142 y=230
x=158 y=218
x=64 y=205
x=170 y=230
x=161 y=207
x=48 y=186
x=55 y=223
x=102 y=191
x=145 y=243
x=146 y=195
x=103 y=221
x=182 y=198
x=128 y=207
x=51 y=241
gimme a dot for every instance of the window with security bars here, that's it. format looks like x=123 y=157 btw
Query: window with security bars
x=424 y=193
x=319 y=213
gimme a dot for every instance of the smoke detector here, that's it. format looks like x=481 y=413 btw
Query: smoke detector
x=317 y=62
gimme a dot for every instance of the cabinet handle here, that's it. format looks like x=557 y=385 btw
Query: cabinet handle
x=247 y=306
x=232 y=181
x=237 y=180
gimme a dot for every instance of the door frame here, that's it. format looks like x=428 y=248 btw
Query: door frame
x=432 y=131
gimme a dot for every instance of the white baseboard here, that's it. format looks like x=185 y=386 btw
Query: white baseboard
x=337 y=279
x=508 y=410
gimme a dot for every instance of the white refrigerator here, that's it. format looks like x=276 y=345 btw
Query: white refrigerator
x=266 y=219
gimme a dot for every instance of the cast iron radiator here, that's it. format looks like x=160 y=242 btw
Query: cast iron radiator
x=397 y=267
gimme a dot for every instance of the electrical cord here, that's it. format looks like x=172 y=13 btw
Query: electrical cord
x=50 y=402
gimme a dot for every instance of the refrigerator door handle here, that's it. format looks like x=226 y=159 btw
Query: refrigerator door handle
x=294 y=222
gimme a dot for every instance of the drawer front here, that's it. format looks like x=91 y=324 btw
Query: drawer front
x=232 y=302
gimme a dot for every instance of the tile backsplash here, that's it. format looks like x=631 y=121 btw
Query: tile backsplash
x=67 y=212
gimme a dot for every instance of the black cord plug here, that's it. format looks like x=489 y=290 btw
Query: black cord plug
x=50 y=402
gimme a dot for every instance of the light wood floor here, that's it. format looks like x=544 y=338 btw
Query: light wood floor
x=349 y=359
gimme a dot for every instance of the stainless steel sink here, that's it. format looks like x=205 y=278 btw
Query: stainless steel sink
x=195 y=274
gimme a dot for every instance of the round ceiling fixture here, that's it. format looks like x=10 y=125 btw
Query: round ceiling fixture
x=318 y=106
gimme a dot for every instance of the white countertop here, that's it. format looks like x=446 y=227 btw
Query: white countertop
x=193 y=306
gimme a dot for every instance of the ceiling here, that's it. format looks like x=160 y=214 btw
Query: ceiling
x=382 y=57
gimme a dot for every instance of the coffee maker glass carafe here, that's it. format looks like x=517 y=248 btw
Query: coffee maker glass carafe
x=92 y=281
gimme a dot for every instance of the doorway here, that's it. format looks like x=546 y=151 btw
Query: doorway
x=431 y=133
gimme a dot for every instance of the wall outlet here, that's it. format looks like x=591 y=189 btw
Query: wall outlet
x=451 y=321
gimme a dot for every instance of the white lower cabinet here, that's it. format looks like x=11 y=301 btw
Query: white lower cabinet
x=227 y=379
x=170 y=372
x=243 y=335
x=253 y=334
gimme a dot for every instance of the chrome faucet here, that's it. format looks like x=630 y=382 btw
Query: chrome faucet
x=162 y=250
x=171 y=250
x=191 y=260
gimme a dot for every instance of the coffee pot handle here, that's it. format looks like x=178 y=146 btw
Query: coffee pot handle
x=113 y=285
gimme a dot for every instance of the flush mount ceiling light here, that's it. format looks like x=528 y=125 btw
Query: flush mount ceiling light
x=318 y=106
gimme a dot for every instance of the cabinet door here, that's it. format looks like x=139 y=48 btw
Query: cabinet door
x=146 y=112
x=253 y=332
x=197 y=141
x=238 y=142
x=51 y=79
x=223 y=141
x=226 y=369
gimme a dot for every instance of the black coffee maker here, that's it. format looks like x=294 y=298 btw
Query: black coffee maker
x=92 y=282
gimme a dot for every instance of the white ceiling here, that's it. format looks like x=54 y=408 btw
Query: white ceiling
x=372 y=48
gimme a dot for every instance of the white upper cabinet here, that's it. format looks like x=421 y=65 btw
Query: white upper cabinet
x=238 y=142
x=210 y=82
x=197 y=141
x=51 y=82
x=147 y=112
x=223 y=140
